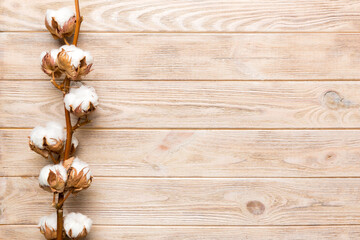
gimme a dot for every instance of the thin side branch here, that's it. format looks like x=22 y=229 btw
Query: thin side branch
x=66 y=42
x=60 y=204
x=60 y=87
x=52 y=157
x=79 y=123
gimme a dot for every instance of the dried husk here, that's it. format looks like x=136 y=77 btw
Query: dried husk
x=77 y=180
x=61 y=32
x=56 y=148
x=56 y=182
x=64 y=64
x=48 y=233
x=79 y=112
x=42 y=152
x=49 y=67
x=80 y=236
x=67 y=162
x=83 y=69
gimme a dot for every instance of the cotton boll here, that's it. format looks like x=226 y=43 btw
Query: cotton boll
x=44 y=174
x=54 y=53
x=36 y=141
x=49 y=15
x=82 y=166
x=77 y=225
x=50 y=221
x=48 y=226
x=48 y=63
x=60 y=23
x=79 y=177
x=54 y=132
x=74 y=62
x=61 y=15
x=53 y=178
x=76 y=55
x=81 y=101
x=45 y=139
x=89 y=58
x=37 y=136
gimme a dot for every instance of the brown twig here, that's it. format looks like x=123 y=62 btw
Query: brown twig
x=66 y=42
x=79 y=123
x=53 y=158
x=60 y=87
x=60 y=204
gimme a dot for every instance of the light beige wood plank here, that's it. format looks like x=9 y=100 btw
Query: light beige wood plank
x=195 y=233
x=192 y=104
x=194 y=56
x=189 y=16
x=200 y=153
x=193 y=201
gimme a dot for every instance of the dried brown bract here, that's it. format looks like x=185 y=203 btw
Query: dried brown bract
x=48 y=63
x=48 y=226
x=79 y=177
x=53 y=178
x=74 y=62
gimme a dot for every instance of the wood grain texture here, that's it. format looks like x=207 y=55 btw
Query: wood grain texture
x=198 y=153
x=194 y=56
x=193 y=104
x=192 y=201
x=189 y=141
x=20 y=232
x=192 y=16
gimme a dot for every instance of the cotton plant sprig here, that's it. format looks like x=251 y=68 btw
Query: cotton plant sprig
x=68 y=174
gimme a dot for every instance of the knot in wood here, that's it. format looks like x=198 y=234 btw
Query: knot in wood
x=255 y=207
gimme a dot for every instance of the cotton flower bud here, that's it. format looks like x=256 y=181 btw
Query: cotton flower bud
x=74 y=61
x=79 y=177
x=48 y=226
x=49 y=138
x=81 y=101
x=77 y=225
x=53 y=178
x=60 y=23
x=48 y=63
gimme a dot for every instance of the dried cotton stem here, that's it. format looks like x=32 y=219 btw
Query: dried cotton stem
x=69 y=132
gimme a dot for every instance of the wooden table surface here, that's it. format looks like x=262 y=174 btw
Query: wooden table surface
x=219 y=120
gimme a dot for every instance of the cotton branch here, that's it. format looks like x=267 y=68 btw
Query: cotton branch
x=68 y=174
